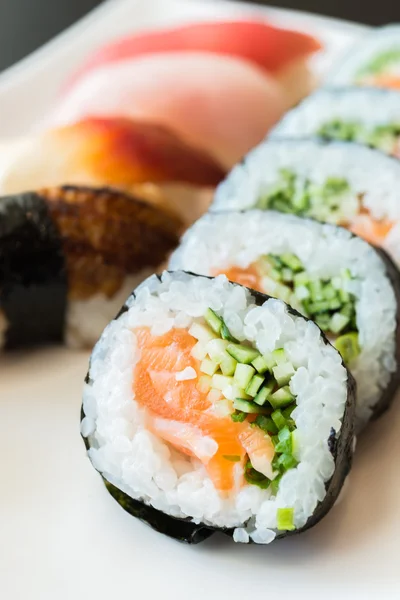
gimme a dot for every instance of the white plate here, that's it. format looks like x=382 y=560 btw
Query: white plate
x=61 y=535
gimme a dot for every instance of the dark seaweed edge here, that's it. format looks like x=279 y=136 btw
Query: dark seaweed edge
x=184 y=530
x=33 y=277
x=389 y=393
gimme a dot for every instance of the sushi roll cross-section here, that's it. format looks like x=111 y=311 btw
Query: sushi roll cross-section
x=368 y=116
x=336 y=182
x=350 y=289
x=209 y=406
x=69 y=256
x=375 y=60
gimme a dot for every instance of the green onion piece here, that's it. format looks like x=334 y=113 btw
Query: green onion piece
x=255 y=477
x=285 y=441
x=266 y=424
x=286 y=461
x=278 y=418
x=238 y=416
x=285 y=519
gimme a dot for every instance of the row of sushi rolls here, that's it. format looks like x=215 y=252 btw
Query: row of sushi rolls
x=227 y=392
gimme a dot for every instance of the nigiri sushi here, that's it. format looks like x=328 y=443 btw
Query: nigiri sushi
x=135 y=156
x=69 y=257
x=220 y=104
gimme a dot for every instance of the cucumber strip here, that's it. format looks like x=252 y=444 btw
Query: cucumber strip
x=264 y=393
x=243 y=375
x=216 y=349
x=291 y=261
x=283 y=373
x=279 y=356
x=228 y=365
x=220 y=382
x=287 y=274
x=213 y=320
x=319 y=306
x=209 y=367
x=247 y=407
x=201 y=332
x=243 y=354
x=260 y=364
x=281 y=397
x=254 y=385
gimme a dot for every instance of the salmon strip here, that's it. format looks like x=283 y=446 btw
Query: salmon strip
x=177 y=409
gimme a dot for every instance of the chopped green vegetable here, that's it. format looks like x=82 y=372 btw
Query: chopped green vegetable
x=348 y=346
x=279 y=356
x=226 y=334
x=260 y=364
x=254 y=385
x=208 y=366
x=338 y=322
x=255 y=477
x=220 y=382
x=228 y=365
x=274 y=486
x=213 y=320
x=291 y=261
x=284 y=444
x=286 y=461
x=247 y=407
x=264 y=393
x=281 y=397
x=266 y=424
x=238 y=416
x=285 y=519
x=283 y=373
x=278 y=418
x=243 y=375
x=243 y=354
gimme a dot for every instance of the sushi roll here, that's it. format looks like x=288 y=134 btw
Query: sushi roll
x=366 y=115
x=69 y=257
x=349 y=288
x=209 y=406
x=375 y=60
x=337 y=182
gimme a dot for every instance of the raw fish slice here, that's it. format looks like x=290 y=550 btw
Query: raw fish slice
x=258 y=42
x=220 y=104
x=127 y=154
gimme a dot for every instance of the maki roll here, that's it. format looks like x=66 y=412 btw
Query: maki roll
x=368 y=116
x=68 y=258
x=210 y=406
x=337 y=182
x=375 y=60
x=350 y=289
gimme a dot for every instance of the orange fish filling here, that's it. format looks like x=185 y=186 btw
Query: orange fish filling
x=180 y=402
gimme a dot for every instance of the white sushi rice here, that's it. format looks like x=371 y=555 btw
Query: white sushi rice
x=370 y=174
x=148 y=469
x=217 y=242
x=86 y=319
x=379 y=41
x=355 y=105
